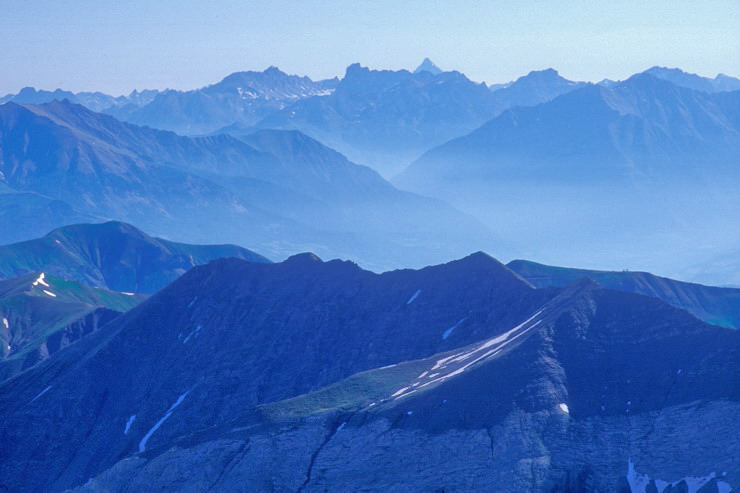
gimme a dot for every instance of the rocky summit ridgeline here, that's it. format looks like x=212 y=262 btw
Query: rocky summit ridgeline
x=307 y=375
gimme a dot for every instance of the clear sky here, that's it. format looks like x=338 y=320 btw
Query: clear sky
x=116 y=46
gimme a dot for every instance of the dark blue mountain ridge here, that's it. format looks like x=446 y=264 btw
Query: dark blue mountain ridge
x=464 y=357
x=715 y=305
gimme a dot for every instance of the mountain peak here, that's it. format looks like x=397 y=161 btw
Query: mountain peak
x=304 y=259
x=548 y=73
x=428 y=66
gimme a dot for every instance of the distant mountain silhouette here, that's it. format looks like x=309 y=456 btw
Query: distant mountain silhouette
x=428 y=66
x=112 y=255
x=718 y=306
x=242 y=97
x=612 y=173
x=96 y=101
x=720 y=83
x=276 y=192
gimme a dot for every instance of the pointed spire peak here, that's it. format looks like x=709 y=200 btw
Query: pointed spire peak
x=428 y=66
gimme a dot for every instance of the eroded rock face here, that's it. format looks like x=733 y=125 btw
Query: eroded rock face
x=234 y=334
x=543 y=452
x=313 y=376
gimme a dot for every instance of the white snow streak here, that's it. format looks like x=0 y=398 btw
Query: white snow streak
x=5 y=323
x=50 y=293
x=564 y=407
x=142 y=443
x=130 y=421
x=41 y=393
x=191 y=303
x=193 y=333
x=413 y=296
x=127 y=294
x=457 y=363
x=448 y=332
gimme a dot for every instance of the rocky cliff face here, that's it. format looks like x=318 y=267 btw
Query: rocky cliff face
x=234 y=334
x=597 y=391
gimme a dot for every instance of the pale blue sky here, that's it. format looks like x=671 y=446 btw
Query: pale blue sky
x=116 y=46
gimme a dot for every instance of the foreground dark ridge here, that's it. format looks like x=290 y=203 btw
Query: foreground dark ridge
x=598 y=390
x=233 y=334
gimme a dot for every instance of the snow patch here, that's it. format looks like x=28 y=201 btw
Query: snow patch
x=414 y=296
x=341 y=427
x=127 y=294
x=447 y=333
x=50 y=293
x=130 y=421
x=400 y=391
x=41 y=281
x=5 y=323
x=409 y=412
x=457 y=363
x=192 y=333
x=564 y=407
x=41 y=393
x=142 y=443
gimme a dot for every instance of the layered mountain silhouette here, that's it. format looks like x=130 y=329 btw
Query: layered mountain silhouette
x=615 y=172
x=294 y=194
x=41 y=314
x=383 y=119
x=96 y=101
x=28 y=214
x=242 y=97
x=112 y=255
x=386 y=118
x=718 y=306
x=721 y=83
x=458 y=377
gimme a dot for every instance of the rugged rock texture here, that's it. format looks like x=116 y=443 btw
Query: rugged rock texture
x=598 y=391
x=231 y=335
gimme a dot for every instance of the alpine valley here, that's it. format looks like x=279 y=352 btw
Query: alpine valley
x=167 y=322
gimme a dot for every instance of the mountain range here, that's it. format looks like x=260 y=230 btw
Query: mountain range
x=386 y=118
x=41 y=314
x=275 y=192
x=112 y=255
x=609 y=175
x=309 y=375
x=718 y=306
